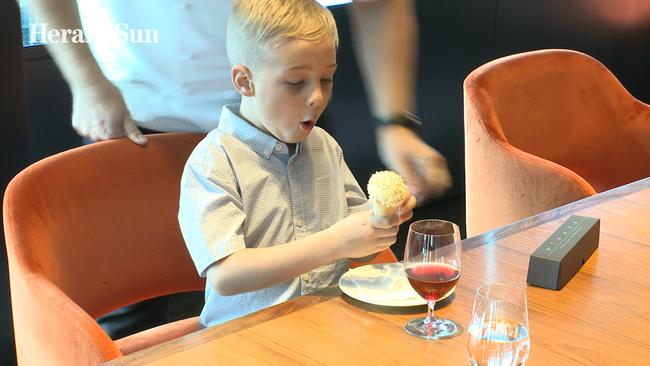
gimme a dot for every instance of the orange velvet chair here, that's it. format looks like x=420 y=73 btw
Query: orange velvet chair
x=91 y=230
x=546 y=128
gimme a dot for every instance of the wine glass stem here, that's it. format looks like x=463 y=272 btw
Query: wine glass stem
x=430 y=305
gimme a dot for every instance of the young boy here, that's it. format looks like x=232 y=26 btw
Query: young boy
x=268 y=209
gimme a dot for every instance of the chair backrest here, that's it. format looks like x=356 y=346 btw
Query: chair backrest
x=96 y=225
x=545 y=128
x=549 y=102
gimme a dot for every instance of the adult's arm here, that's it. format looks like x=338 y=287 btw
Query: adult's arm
x=385 y=38
x=99 y=111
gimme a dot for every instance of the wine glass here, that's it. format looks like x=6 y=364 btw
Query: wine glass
x=432 y=266
x=498 y=331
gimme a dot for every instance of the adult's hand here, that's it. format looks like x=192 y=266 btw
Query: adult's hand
x=100 y=113
x=424 y=169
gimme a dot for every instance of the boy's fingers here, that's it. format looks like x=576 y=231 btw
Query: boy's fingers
x=405 y=216
x=387 y=242
x=384 y=222
x=382 y=233
x=409 y=202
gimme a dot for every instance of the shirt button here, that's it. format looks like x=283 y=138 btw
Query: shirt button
x=300 y=223
x=278 y=147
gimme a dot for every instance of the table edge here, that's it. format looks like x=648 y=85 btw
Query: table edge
x=554 y=214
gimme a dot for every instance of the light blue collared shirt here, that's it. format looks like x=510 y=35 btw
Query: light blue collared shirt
x=241 y=189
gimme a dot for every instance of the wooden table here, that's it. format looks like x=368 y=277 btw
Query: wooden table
x=601 y=317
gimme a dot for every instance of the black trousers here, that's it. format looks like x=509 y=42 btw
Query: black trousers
x=151 y=313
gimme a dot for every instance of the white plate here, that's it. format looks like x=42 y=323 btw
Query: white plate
x=380 y=284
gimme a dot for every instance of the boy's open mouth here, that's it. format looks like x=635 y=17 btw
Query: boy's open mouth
x=307 y=125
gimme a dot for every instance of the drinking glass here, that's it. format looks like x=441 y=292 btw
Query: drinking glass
x=498 y=331
x=432 y=266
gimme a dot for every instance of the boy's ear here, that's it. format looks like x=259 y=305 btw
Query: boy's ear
x=242 y=79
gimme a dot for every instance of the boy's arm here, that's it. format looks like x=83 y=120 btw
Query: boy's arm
x=99 y=111
x=354 y=195
x=386 y=44
x=253 y=269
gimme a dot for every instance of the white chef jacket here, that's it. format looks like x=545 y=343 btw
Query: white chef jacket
x=182 y=81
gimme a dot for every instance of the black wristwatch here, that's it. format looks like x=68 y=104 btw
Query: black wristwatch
x=406 y=119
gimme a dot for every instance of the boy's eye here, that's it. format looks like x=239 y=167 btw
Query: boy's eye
x=296 y=83
x=326 y=80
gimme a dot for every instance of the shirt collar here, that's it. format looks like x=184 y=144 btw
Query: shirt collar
x=263 y=144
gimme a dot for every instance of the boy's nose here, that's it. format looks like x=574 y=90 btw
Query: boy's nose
x=316 y=97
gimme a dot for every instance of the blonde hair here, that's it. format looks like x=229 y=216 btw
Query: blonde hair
x=257 y=26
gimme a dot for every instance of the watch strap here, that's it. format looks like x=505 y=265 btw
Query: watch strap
x=406 y=119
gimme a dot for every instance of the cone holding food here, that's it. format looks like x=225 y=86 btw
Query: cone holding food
x=386 y=190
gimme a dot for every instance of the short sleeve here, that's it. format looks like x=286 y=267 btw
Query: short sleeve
x=354 y=195
x=210 y=213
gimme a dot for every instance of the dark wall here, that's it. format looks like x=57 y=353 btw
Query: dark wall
x=49 y=106
x=616 y=32
x=13 y=148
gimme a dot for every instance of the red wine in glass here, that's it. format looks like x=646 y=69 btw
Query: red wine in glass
x=432 y=264
x=433 y=281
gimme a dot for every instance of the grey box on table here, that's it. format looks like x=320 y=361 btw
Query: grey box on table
x=560 y=257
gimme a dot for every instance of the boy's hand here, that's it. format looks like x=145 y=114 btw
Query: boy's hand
x=355 y=236
x=404 y=213
x=361 y=234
